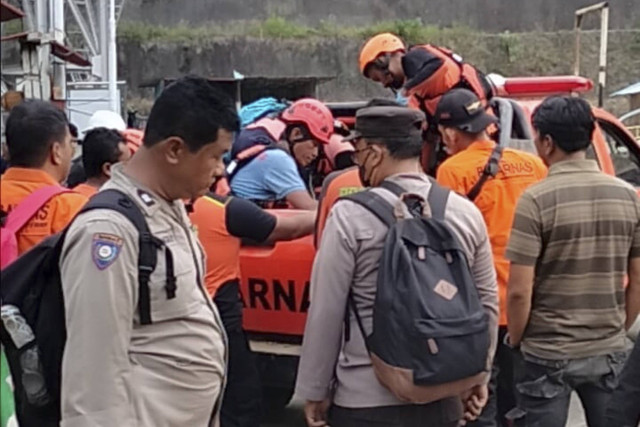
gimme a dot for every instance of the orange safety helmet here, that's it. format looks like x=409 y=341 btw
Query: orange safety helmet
x=378 y=45
x=314 y=115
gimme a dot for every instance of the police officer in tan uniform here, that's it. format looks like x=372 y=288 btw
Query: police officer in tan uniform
x=337 y=372
x=117 y=371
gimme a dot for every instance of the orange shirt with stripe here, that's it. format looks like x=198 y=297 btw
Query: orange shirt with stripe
x=498 y=197
x=17 y=183
x=221 y=223
x=222 y=249
x=85 y=189
x=335 y=185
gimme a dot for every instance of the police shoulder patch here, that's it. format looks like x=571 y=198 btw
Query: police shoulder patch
x=105 y=249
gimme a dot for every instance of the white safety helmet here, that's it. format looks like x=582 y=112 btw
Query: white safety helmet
x=105 y=119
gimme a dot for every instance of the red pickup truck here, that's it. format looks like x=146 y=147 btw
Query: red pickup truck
x=275 y=279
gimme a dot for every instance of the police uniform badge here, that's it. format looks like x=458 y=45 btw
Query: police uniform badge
x=105 y=249
x=146 y=198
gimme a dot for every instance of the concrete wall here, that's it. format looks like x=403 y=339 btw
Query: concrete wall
x=507 y=54
x=486 y=15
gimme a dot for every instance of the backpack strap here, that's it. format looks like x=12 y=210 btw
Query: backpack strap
x=351 y=306
x=149 y=245
x=21 y=214
x=245 y=157
x=490 y=170
x=375 y=204
x=437 y=199
x=393 y=187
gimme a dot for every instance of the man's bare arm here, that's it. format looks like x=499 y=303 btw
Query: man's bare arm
x=633 y=292
x=519 y=292
x=292 y=227
x=302 y=200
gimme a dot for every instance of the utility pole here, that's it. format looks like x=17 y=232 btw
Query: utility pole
x=603 y=8
x=59 y=66
x=104 y=37
x=112 y=59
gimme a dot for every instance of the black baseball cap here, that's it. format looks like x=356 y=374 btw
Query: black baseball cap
x=387 y=122
x=461 y=109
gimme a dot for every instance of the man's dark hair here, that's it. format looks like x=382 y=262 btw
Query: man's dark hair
x=32 y=127
x=303 y=130
x=100 y=146
x=76 y=173
x=73 y=129
x=191 y=109
x=567 y=120
x=381 y=63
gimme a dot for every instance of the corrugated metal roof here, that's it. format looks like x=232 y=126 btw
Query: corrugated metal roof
x=634 y=89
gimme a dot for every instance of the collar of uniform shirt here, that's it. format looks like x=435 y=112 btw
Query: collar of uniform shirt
x=135 y=188
x=28 y=175
x=570 y=166
x=417 y=175
x=483 y=144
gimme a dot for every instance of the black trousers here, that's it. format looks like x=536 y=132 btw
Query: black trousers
x=241 y=404
x=444 y=413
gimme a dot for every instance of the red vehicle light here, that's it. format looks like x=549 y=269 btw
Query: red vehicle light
x=536 y=86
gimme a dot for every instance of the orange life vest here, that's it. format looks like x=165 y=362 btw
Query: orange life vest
x=337 y=184
x=453 y=73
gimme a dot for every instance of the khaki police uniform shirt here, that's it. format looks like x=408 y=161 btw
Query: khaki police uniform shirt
x=115 y=371
x=348 y=259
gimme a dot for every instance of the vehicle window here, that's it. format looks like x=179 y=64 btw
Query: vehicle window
x=625 y=156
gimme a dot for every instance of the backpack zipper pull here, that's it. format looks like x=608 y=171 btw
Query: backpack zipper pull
x=433 y=346
x=448 y=257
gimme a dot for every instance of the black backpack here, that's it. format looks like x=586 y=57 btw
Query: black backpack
x=32 y=284
x=430 y=336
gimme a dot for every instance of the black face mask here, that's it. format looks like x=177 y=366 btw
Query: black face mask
x=362 y=173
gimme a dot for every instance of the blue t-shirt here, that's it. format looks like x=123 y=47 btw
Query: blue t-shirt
x=272 y=175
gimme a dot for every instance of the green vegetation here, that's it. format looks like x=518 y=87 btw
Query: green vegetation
x=277 y=27
x=635 y=44
x=511 y=46
x=274 y=27
x=182 y=33
x=12 y=27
